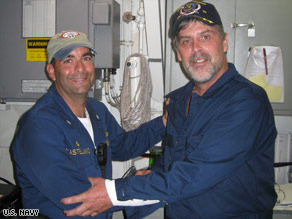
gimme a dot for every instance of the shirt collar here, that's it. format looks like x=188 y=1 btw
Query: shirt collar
x=187 y=89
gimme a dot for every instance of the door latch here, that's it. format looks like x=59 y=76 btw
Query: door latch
x=250 y=27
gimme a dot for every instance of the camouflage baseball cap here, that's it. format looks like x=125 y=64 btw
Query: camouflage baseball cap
x=62 y=44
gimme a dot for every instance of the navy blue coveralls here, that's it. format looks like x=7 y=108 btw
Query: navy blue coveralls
x=54 y=153
x=218 y=159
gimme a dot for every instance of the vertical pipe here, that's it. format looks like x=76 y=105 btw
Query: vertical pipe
x=141 y=25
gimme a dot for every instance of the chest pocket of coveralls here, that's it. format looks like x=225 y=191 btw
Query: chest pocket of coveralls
x=192 y=143
x=178 y=150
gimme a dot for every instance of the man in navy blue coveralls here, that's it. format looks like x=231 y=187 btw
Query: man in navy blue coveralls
x=57 y=141
x=219 y=149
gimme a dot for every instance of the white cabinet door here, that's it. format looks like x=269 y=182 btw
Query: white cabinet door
x=273 y=27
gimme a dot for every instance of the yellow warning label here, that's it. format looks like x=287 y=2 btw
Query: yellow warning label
x=36 y=49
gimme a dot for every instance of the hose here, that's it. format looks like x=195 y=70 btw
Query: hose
x=136 y=111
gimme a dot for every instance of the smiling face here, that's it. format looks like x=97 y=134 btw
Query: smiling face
x=74 y=75
x=201 y=50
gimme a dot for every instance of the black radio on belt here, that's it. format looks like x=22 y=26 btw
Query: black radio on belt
x=101 y=154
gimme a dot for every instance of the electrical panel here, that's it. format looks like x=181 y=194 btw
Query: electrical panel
x=23 y=59
x=106 y=21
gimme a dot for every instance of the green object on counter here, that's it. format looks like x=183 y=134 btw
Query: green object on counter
x=155 y=153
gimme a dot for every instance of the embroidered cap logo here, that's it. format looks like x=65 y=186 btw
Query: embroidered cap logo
x=190 y=8
x=70 y=35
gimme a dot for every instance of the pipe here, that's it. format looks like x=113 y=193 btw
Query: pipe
x=106 y=80
x=141 y=25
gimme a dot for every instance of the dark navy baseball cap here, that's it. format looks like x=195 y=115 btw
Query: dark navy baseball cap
x=202 y=11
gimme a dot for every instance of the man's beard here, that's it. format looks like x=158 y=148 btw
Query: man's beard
x=195 y=73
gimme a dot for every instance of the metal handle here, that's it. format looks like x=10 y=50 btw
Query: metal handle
x=250 y=25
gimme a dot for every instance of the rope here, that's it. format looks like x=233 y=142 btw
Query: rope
x=137 y=111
